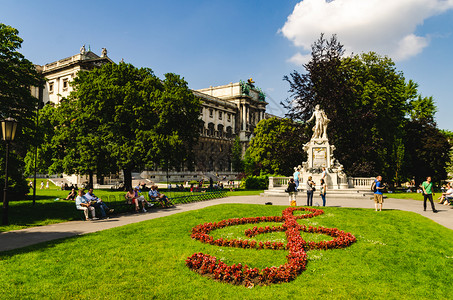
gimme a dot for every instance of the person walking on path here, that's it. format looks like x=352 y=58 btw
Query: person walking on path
x=378 y=193
x=310 y=190
x=427 y=187
x=296 y=176
x=323 y=191
x=292 y=191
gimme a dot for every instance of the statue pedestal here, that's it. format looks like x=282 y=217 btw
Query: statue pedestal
x=320 y=155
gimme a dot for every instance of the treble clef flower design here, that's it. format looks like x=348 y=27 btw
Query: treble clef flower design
x=208 y=265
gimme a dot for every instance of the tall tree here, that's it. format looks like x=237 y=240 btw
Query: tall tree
x=120 y=117
x=367 y=101
x=17 y=76
x=428 y=148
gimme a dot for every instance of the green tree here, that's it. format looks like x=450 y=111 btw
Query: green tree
x=277 y=146
x=428 y=148
x=120 y=117
x=368 y=102
x=17 y=75
x=428 y=151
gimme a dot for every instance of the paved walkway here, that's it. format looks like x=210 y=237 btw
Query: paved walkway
x=21 y=238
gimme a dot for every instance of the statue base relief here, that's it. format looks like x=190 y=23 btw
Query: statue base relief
x=320 y=156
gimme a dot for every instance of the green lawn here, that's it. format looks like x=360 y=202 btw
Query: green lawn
x=411 y=196
x=398 y=255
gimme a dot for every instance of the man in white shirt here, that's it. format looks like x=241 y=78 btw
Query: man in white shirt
x=82 y=203
x=97 y=203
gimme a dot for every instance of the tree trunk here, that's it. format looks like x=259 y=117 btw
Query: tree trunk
x=127 y=179
x=90 y=179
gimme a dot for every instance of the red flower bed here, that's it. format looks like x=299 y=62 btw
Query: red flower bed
x=210 y=266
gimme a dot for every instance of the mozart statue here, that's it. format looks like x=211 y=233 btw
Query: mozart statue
x=320 y=129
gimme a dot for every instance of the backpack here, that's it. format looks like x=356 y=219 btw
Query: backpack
x=373 y=187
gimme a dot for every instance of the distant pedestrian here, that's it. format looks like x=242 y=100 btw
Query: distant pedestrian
x=378 y=193
x=310 y=190
x=292 y=191
x=296 y=176
x=427 y=187
x=47 y=185
x=324 y=174
x=323 y=191
x=42 y=185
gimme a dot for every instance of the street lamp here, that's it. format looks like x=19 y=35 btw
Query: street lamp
x=9 y=126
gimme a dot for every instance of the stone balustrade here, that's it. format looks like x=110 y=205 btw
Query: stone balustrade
x=278 y=181
x=360 y=181
x=352 y=182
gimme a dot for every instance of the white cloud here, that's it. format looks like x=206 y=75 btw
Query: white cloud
x=300 y=59
x=384 y=26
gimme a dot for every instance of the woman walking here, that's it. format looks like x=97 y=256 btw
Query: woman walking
x=292 y=191
x=310 y=190
x=323 y=192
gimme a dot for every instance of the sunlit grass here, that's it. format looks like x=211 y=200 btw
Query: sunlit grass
x=398 y=255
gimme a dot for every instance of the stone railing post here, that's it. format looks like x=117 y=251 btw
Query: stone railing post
x=271 y=183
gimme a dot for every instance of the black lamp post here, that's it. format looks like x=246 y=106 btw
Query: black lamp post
x=8 y=132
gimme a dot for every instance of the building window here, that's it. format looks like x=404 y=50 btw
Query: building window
x=211 y=113
x=65 y=84
x=50 y=87
x=211 y=129
x=220 y=130
x=229 y=117
x=220 y=115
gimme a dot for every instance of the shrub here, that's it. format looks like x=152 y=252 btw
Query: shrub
x=255 y=182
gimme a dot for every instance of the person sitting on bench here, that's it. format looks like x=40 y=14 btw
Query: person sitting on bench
x=154 y=195
x=72 y=195
x=136 y=199
x=83 y=204
x=97 y=203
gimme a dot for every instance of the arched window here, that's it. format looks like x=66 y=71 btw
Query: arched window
x=211 y=129
x=220 y=130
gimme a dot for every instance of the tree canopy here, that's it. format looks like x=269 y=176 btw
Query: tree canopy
x=17 y=76
x=120 y=117
x=276 y=147
x=372 y=110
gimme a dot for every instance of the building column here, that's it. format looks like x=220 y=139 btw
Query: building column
x=244 y=117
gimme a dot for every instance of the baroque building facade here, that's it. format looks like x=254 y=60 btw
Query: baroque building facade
x=227 y=112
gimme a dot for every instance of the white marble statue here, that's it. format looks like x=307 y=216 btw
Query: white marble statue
x=320 y=128
x=83 y=50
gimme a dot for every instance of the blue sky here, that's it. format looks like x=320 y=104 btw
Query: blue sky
x=218 y=42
